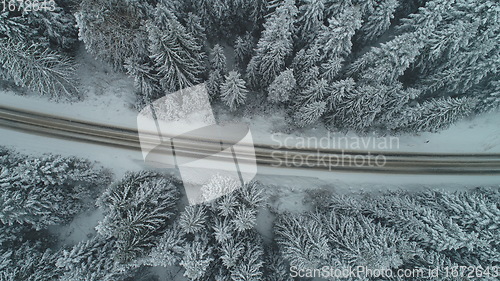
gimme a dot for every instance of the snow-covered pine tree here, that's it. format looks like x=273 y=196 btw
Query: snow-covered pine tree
x=91 y=260
x=303 y=62
x=28 y=261
x=213 y=13
x=435 y=114
x=308 y=79
x=276 y=267
x=251 y=265
x=243 y=49
x=231 y=252
x=252 y=195
x=54 y=29
x=377 y=21
x=47 y=191
x=218 y=59
x=457 y=74
x=274 y=46
x=334 y=40
x=194 y=26
x=349 y=107
x=227 y=17
x=308 y=114
x=489 y=96
x=57 y=26
x=218 y=68
x=223 y=230
x=317 y=90
x=438 y=223
x=462 y=50
x=230 y=248
x=38 y=69
x=331 y=68
x=340 y=237
x=302 y=241
x=341 y=92
x=233 y=90
x=385 y=64
x=178 y=56
x=226 y=205
x=359 y=241
x=215 y=79
x=14 y=27
x=244 y=218
x=477 y=214
x=137 y=209
x=146 y=80
x=282 y=87
x=393 y=104
x=29 y=51
x=112 y=30
x=168 y=250
x=193 y=219
x=197 y=259
x=217 y=186
x=310 y=20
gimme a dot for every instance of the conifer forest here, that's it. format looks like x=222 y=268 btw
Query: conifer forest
x=416 y=70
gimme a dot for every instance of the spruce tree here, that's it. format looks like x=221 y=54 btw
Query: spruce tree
x=194 y=26
x=303 y=63
x=378 y=20
x=334 y=40
x=302 y=241
x=331 y=68
x=90 y=260
x=282 y=87
x=30 y=51
x=309 y=113
x=274 y=47
x=218 y=69
x=176 y=53
x=137 y=209
x=112 y=30
x=39 y=69
x=311 y=18
x=243 y=49
x=197 y=259
x=317 y=90
x=233 y=90
x=436 y=114
x=218 y=59
x=49 y=190
x=193 y=219
x=146 y=80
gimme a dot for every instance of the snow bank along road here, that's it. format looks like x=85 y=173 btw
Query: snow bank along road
x=329 y=160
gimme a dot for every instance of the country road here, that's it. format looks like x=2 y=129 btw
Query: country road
x=265 y=155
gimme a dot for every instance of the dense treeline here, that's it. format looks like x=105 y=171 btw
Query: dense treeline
x=388 y=65
x=146 y=224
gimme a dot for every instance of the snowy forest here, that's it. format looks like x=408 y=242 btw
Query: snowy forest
x=387 y=65
x=146 y=225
